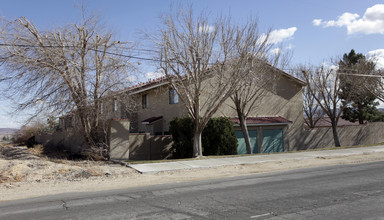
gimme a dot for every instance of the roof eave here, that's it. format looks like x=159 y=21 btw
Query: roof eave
x=267 y=124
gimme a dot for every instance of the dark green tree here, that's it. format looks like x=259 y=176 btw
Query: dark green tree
x=218 y=137
x=356 y=88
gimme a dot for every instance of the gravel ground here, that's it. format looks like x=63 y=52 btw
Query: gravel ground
x=24 y=173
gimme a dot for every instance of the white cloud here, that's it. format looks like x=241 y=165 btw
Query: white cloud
x=289 y=47
x=372 y=21
x=280 y=35
x=154 y=75
x=275 y=51
x=377 y=56
x=316 y=22
x=330 y=67
x=206 y=28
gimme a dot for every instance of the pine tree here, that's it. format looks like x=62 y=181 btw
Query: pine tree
x=361 y=104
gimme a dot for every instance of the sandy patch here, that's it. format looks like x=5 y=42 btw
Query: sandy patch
x=32 y=176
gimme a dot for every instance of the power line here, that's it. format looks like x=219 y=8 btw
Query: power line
x=68 y=46
x=151 y=59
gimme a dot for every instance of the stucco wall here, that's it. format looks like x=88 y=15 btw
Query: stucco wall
x=285 y=100
x=69 y=140
x=119 y=140
x=371 y=133
x=158 y=105
x=148 y=147
x=123 y=145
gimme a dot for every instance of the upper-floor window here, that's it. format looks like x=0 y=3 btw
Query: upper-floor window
x=144 y=101
x=115 y=105
x=173 y=96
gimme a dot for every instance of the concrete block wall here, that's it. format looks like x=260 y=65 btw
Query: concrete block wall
x=70 y=140
x=371 y=133
x=123 y=145
x=150 y=147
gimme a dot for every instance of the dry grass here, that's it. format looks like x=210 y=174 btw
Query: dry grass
x=11 y=178
x=63 y=171
x=37 y=150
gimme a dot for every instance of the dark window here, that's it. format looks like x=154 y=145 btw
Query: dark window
x=144 y=101
x=173 y=96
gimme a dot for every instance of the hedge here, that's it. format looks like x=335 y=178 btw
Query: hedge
x=218 y=137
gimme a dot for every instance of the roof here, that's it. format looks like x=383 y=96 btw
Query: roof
x=144 y=86
x=151 y=120
x=289 y=76
x=274 y=120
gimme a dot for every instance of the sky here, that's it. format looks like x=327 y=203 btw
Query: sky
x=313 y=30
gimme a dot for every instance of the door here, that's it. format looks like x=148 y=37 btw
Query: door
x=242 y=148
x=273 y=141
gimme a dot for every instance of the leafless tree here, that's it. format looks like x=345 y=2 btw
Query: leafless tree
x=194 y=56
x=255 y=70
x=312 y=111
x=323 y=83
x=379 y=91
x=247 y=96
x=66 y=69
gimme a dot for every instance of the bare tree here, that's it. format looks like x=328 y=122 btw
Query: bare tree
x=312 y=110
x=255 y=71
x=323 y=83
x=67 y=69
x=379 y=91
x=194 y=56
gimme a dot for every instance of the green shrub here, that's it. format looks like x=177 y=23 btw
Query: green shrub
x=181 y=130
x=218 y=137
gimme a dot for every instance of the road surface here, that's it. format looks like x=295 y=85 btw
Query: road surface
x=333 y=192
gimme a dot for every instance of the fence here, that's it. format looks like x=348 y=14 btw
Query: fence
x=143 y=146
x=371 y=133
x=123 y=145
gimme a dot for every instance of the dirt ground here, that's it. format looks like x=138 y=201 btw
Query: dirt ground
x=24 y=174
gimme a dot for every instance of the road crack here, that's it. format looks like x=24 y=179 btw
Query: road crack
x=64 y=204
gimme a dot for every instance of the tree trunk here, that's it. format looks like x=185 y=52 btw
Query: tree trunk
x=197 y=146
x=361 y=120
x=361 y=117
x=335 y=135
x=244 y=129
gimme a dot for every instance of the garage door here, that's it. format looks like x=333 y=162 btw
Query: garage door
x=242 y=148
x=273 y=141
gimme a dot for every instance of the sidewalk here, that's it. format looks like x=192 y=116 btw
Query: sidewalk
x=152 y=168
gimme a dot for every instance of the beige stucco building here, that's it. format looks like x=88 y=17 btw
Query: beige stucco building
x=273 y=123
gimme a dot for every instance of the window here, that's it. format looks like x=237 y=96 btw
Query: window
x=173 y=96
x=144 y=101
x=115 y=105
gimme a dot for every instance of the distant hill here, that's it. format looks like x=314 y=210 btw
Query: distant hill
x=8 y=131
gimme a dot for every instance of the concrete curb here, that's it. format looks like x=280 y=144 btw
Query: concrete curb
x=153 y=168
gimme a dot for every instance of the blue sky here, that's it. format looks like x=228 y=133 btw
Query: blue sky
x=314 y=30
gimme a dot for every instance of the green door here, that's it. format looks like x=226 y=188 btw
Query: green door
x=242 y=148
x=273 y=141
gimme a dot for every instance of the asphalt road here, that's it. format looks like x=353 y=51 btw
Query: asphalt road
x=333 y=192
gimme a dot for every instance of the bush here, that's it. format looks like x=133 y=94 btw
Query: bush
x=181 y=130
x=218 y=137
